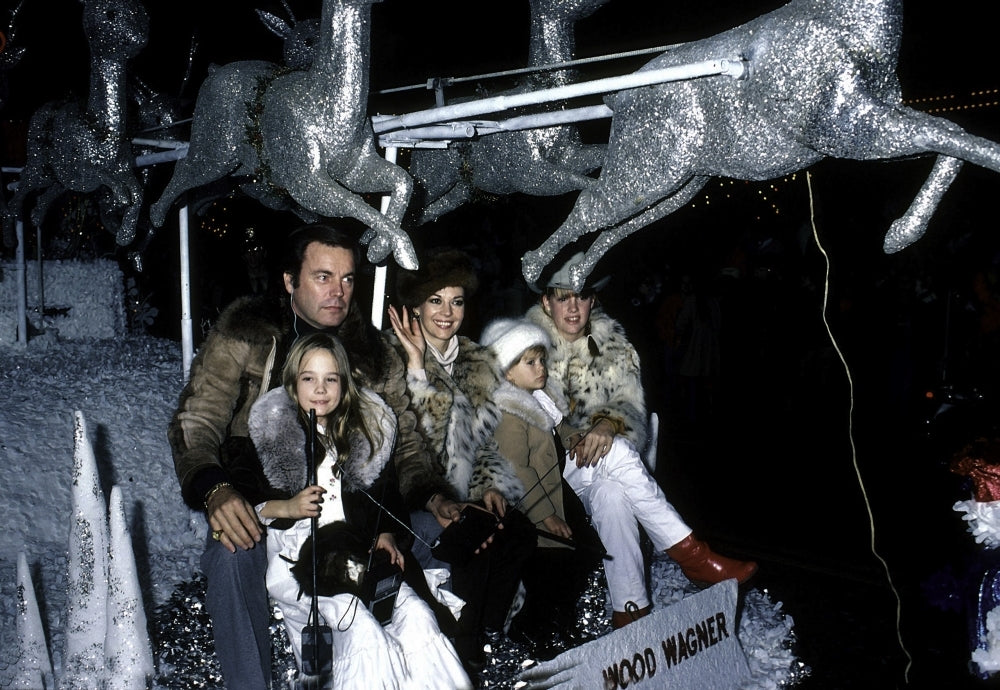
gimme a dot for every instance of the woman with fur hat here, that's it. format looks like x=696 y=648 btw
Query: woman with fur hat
x=355 y=491
x=595 y=369
x=452 y=381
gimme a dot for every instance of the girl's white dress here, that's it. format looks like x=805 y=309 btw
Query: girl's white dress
x=409 y=653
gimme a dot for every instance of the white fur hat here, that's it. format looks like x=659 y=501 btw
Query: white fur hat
x=509 y=338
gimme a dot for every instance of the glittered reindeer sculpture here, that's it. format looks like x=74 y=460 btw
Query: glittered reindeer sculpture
x=82 y=150
x=10 y=52
x=546 y=161
x=820 y=82
x=304 y=133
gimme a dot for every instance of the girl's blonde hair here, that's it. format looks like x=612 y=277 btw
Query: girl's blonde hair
x=350 y=413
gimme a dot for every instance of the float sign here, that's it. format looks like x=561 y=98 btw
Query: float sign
x=690 y=645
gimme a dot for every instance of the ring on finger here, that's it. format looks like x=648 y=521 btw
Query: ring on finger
x=217 y=534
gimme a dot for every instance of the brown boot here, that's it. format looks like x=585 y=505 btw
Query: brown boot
x=704 y=567
x=632 y=613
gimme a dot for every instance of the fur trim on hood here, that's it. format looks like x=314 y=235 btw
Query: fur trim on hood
x=522 y=404
x=280 y=439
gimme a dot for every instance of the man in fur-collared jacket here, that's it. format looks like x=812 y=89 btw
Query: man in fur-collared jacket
x=241 y=359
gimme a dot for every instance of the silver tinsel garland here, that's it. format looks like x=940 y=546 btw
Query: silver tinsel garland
x=182 y=636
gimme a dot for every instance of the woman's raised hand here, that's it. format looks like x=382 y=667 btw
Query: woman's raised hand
x=407 y=328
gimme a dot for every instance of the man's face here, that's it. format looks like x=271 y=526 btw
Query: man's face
x=326 y=284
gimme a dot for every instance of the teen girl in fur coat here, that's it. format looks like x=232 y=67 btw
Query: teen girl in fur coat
x=452 y=381
x=356 y=431
x=594 y=367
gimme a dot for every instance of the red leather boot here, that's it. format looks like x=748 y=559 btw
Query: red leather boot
x=704 y=567
x=632 y=613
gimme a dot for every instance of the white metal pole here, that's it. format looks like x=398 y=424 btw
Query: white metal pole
x=378 y=290
x=187 y=340
x=706 y=68
x=22 y=284
x=41 y=278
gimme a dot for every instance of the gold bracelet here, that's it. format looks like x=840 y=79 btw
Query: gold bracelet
x=213 y=490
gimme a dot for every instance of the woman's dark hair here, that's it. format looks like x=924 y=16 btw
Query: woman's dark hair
x=295 y=246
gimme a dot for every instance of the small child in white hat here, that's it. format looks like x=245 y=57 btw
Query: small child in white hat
x=617 y=491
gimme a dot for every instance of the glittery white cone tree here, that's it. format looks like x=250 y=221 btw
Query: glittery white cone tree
x=128 y=654
x=87 y=585
x=34 y=668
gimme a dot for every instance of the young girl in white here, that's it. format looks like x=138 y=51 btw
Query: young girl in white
x=355 y=435
x=617 y=491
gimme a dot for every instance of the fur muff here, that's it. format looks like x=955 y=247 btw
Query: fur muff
x=279 y=434
x=598 y=375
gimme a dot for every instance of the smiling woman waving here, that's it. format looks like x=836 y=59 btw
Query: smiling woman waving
x=452 y=382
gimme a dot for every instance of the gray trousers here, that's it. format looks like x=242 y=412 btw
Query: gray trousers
x=237 y=601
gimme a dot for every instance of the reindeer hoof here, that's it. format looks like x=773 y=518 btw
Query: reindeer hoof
x=902 y=233
x=378 y=249
x=406 y=256
x=531 y=266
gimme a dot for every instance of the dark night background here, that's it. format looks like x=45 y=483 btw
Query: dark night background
x=798 y=447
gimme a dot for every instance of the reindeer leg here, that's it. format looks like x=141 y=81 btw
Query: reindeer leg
x=329 y=198
x=911 y=132
x=127 y=194
x=455 y=197
x=45 y=199
x=937 y=135
x=609 y=238
x=126 y=231
x=375 y=174
x=911 y=226
x=595 y=210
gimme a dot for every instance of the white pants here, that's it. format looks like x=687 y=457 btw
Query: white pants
x=619 y=494
x=409 y=653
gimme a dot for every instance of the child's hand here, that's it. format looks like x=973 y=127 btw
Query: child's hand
x=306 y=503
x=557 y=526
x=387 y=542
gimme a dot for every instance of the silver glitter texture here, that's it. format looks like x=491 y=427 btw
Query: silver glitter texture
x=820 y=82
x=34 y=667
x=182 y=633
x=79 y=148
x=128 y=654
x=303 y=134
x=86 y=584
x=547 y=161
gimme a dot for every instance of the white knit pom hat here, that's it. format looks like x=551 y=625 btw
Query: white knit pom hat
x=509 y=338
